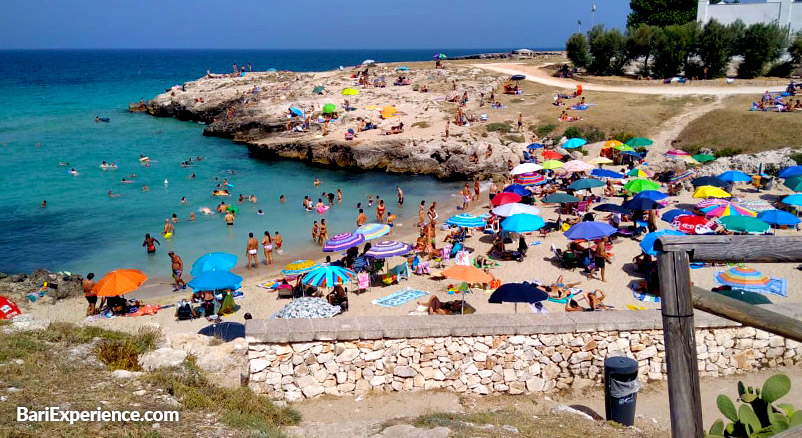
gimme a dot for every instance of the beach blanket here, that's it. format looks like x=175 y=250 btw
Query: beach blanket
x=646 y=298
x=396 y=299
x=269 y=285
x=574 y=291
x=776 y=286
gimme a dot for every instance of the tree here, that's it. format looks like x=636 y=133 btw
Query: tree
x=715 y=48
x=607 y=50
x=760 y=44
x=795 y=49
x=577 y=48
x=640 y=42
x=661 y=12
x=671 y=50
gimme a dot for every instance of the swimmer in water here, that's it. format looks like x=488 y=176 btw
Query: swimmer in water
x=192 y=216
x=260 y=212
x=149 y=243
x=145 y=188
x=225 y=182
x=339 y=195
x=73 y=171
x=192 y=176
x=166 y=182
x=38 y=145
x=61 y=163
x=168 y=228
x=175 y=218
x=281 y=198
x=184 y=200
x=317 y=182
x=143 y=158
x=113 y=195
x=206 y=210
x=252 y=198
x=199 y=159
x=44 y=204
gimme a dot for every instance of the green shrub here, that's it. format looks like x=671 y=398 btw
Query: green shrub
x=572 y=132
x=577 y=49
x=593 y=135
x=516 y=138
x=543 y=130
x=692 y=149
x=796 y=156
x=759 y=45
x=498 y=127
x=118 y=355
x=727 y=152
x=623 y=137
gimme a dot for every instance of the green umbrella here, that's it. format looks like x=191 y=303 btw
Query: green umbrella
x=318 y=90
x=746 y=224
x=745 y=296
x=585 y=184
x=639 y=142
x=559 y=198
x=638 y=185
x=329 y=108
x=794 y=183
x=703 y=158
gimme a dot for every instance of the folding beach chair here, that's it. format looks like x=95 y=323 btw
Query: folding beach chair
x=363 y=281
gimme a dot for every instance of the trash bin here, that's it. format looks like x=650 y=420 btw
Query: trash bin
x=621 y=387
x=766 y=182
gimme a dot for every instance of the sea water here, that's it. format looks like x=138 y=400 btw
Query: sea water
x=52 y=98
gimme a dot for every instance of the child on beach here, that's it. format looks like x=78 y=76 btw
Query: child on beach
x=370 y=201
x=279 y=243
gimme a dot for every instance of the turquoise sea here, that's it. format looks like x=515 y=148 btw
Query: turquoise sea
x=52 y=98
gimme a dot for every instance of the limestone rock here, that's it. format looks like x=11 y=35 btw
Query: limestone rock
x=163 y=357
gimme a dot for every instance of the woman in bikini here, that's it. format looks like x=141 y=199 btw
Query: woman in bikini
x=267 y=244
x=324 y=232
x=380 y=209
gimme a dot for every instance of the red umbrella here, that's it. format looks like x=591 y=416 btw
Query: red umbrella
x=8 y=308
x=693 y=224
x=551 y=155
x=505 y=198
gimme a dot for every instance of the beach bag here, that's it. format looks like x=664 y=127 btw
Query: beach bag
x=566 y=226
x=185 y=312
x=495 y=283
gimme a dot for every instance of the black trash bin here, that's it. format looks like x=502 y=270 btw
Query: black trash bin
x=621 y=387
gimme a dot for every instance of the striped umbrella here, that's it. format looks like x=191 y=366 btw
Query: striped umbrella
x=388 y=248
x=639 y=173
x=329 y=276
x=742 y=276
x=343 y=241
x=709 y=202
x=688 y=174
x=530 y=179
x=728 y=209
x=373 y=231
x=299 y=267
x=466 y=220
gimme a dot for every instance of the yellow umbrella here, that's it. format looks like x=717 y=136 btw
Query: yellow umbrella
x=389 y=111
x=552 y=164
x=601 y=160
x=371 y=107
x=688 y=159
x=350 y=92
x=612 y=143
x=710 y=192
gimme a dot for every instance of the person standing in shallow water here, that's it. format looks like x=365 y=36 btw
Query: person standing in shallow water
x=150 y=244
x=267 y=244
x=400 y=195
x=251 y=250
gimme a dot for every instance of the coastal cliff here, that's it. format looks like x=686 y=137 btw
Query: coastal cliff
x=253 y=110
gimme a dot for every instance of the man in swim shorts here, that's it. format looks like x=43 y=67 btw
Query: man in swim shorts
x=91 y=296
x=400 y=195
x=178 y=270
x=150 y=244
x=168 y=229
x=252 y=251
x=229 y=218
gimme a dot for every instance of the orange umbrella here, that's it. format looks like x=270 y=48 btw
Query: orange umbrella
x=551 y=155
x=468 y=274
x=119 y=282
x=390 y=111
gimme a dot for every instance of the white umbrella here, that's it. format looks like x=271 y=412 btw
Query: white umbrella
x=577 y=166
x=508 y=210
x=526 y=168
x=368 y=61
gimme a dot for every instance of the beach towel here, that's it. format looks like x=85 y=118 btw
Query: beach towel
x=776 y=286
x=269 y=285
x=396 y=299
x=572 y=293
x=646 y=298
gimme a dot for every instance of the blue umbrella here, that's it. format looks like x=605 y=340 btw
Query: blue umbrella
x=517 y=293
x=222 y=261
x=215 y=279
x=297 y=111
x=778 y=217
x=585 y=184
x=790 y=172
x=654 y=195
x=589 y=231
x=534 y=146
x=522 y=223
x=612 y=208
x=403 y=68
x=641 y=204
x=735 y=176
x=795 y=199
x=517 y=77
x=670 y=215
x=518 y=190
x=271 y=69
x=466 y=220
x=574 y=143
x=633 y=153
x=647 y=244
x=707 y=181
x=606 y=173
x=329 y=276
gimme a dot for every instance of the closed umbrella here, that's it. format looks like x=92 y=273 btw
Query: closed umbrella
x=552 y=164
x=589 y=230
x=329 y=276
x=559 y=198
x=299 y=267
x=794 y=183
x=466 y=220
x=710 y=192
x=388 y=248
x=641 y=204
x=574 y=143
x=214 y=260
x=745 y=224
x=611 y=208
x=349 y=92
x=215 y=280
x=638 y=185
x=517 y=293
x=606 y=173
x=373 y=231
x=577 y=166
x=654 y=195
x=517 y=189
x=525 y=168
x=639 y=142
x=790 y=172
x=329 y=108
x=585 y=184
x=505 y=198
x=670 y=215
x=778 y=217
x=343 y=241
x=707 y=181
x=647 y=244
x=119 y=282
x=508 y=210
x=522 y=223
x=742 y=276
x=735 y=176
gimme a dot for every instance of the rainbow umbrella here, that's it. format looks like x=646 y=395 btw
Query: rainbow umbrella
x=728 y=209
x=466 y=220
x=710 y=192
x=343 y=241
x=688 y=174
x=530 y=179
x=639 y=142
x=329 y=276
x=744 y=224
x=639 y=173
x=388 y=248
x=709 y=202
x=440 y=56
x=299 y=267
x=638 y=185
x=552 y=164
x=742 y=277
x=373 y=231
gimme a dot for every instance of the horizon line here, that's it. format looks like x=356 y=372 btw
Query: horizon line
x=505 y=49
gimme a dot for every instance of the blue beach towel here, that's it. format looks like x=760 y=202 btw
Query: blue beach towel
x=396 y=299
x=646 y=298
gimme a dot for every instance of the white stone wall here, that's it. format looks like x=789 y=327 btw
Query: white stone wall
x=495 y=364
x=782 y=12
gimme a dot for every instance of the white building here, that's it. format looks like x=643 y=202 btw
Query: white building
x=783 y=12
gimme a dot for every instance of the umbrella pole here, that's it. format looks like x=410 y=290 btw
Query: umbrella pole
x=516 y=307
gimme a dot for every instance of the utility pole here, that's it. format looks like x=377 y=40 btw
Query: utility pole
x=579 y=23
x=592 y=14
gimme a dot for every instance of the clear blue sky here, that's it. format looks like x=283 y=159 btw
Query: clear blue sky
x=254 y=24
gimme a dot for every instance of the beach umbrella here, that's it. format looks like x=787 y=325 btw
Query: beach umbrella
x=794 y=183
x=468 y=274
x=633 y=153
x=402 y=68
x=226 y=331
x=647 y=244
x=368 y=62
x=349 y=92
x=606 y=173
x=654 y=195
x=639 y=142
x=8 y=308
x=298 y=267
x=676 y=153
x=119 y=282
x=756 y=205
x=707 y=181
x=678 y=178
x=735 y=176
x=639 y=173
x=534 y=146
x=778 y=217
x=508 y=210
x=573 y=143
x=388 y=248
x=641 y=204
x=214 y=260
x=585 y=184
x=624 y=148
x=745 y=296
x=517 y=189
x=525 y=168
x=611 y=208
x=373 y=231
x=329 y=276
x=793 y=199
x=638 y=185
x=687 y=159
x=670 y=215
x=746 y=224
x=710 y=192
x=440 y=56
x=307 y=307
x=318 y=90
x=343 y=241
x=692 y=224
x=390 y=111
x=612 y=143
x=329 y=108
x=522 y=223
x=517 y=77
x=589 y=230
x=505 y=198
x=711 y=201
x=577 y=166
x=466 y=220
x=517 y=293
x=552 y=164
x=551 y=155
x=601 y=160
x=530 y=179
x=215 y=279
x=296 y=111
x=742 y=276
x=790 y=172
x=727 y=209
x=703 y=158
x=559 y=198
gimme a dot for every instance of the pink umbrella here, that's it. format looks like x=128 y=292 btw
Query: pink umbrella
x=677 y=153
x=577 y=166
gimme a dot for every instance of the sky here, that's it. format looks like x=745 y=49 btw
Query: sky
x=299 y=24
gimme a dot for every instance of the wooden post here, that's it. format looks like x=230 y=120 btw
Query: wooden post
x=678 y=331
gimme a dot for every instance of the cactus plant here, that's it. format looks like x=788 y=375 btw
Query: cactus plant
x=756 y=417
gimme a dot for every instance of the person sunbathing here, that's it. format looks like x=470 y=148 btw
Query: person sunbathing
x=609 y=189
x=594 y=299
x=559 y=283
x=564 y=117
x=436 y=307
x=573 y=306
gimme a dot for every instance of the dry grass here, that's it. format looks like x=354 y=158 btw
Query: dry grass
x=734 y=126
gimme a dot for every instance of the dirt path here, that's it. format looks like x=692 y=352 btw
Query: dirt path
x=536 y=74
